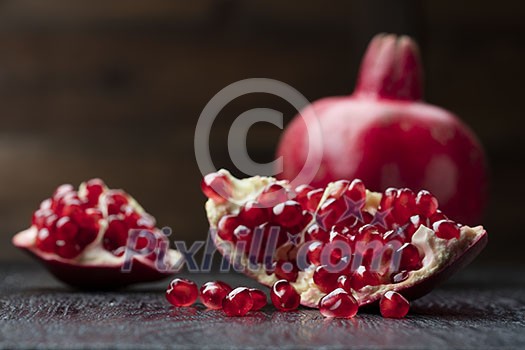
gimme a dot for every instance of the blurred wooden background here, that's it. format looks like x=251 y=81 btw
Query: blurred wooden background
x=114 y=88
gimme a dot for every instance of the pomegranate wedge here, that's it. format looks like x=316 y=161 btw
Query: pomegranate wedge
x=97 y=238
x=341 y=236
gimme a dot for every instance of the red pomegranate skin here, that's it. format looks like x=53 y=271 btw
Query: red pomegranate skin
x=387 y=136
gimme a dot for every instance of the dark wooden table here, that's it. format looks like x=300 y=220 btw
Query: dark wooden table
x=480 y=308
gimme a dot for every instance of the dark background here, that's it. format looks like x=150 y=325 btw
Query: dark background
x=113 y=89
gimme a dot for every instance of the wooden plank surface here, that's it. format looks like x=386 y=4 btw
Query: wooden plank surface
x=479 y=309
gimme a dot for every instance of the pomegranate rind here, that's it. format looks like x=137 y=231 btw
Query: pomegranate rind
x=103 y=272
x=442 y=257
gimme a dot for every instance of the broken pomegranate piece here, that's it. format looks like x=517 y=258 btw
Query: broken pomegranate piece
x=314 y=241
x=97 y=237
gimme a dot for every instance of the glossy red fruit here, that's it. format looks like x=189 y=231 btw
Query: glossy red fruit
x=82 y=243
x=286 y=270
x=325 y=280
x=427 y=204
x=217 y=187
x=393 y=305
x=288 y=214
x=446 y=229
x=238 y=302
x=182 y=292
x=284 y=296
x=387 y=136
x=338 y=303
x=259 y=299
x=213 y=293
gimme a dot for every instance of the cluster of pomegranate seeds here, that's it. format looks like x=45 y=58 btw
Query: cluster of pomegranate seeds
x=182 y=292
x=351 y=241
x=393 y=305
x=338 y=303
x=71 y=220
x=216 y=295
x=284 y=296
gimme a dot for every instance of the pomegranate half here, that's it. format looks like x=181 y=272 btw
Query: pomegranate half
x=340 y=236
x=386 y=135
x=97 y=238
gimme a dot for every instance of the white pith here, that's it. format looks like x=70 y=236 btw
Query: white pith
x=93 y=254
x=437 y=252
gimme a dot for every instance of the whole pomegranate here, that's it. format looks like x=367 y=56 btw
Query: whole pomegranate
x=387 y=136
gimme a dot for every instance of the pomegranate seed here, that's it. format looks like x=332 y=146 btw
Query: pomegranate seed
x=326 y=281
x=44 y=241
x=438 y=215
x=116 y=234
x=330 y=213
x=302 y=192
x=410 y=258
x=67 y=250
x=213 y=293
x=86 y=236
x=182 y=292
x=363 y=277
x=387 y=199
x=356 y=191
x=314 y=252
x=313 y=198
x=286 y=270
x=393 y=305
x=259 y=299
x=94 y=189
x=46 y=204
x=243 y=234
x=315 y=233
x=284 y=296
x=116 y=201
x=404 y=205
x=288 y=214
x=217 y=187
x=253 y=214
x=62 y=190
x=426 y=203
x=272 y=195
x=344 y=282
x=446 y=229
x=238 y=302
x=338 y=303
x=40 y=216
x=400 y=277
x=66 y=229
x=226 y=226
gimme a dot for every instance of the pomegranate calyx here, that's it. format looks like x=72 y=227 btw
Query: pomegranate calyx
x=391 y=69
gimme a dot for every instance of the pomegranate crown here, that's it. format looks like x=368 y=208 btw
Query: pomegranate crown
x=391 y=69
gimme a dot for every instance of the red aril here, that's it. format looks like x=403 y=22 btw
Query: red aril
x=393 y=305
x=338 y=303
x=182 y=292
x=238 y=302
x=387 y=136
x=213 y=293
x=365 y=245
x=259 y=299
x=82 y=237
x=284 y=296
